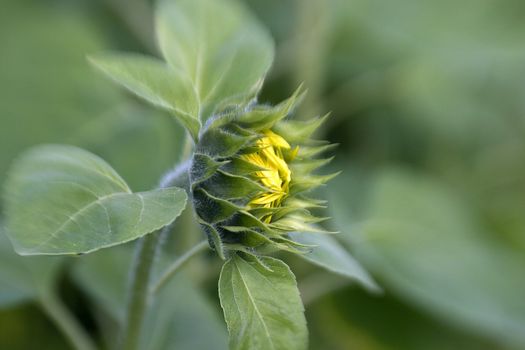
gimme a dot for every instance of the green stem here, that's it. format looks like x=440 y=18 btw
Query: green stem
x=188 y=146
x=138 y=290
x=177 y=264
x=140 y=280
x=68 y=324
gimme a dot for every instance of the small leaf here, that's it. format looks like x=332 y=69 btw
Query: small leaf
x=64 y=200
x=220 y=47
x=329 y=254
x=261 y=305
x=154 y=81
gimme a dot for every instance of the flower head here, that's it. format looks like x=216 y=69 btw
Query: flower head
x=250 y=174
x=275 y=174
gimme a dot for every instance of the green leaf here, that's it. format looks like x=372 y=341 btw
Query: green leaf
x=329 y=254
x=156 y=82
x=261 y=304
x=178 y=318
x=22 y=279
x=218 y=45
x=430 y=249
x=64 y=200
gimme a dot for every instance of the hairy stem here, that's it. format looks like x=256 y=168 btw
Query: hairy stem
x=138 y=296
x=65 y=321
x=178 y=176
x=177 y=264
x=148 y=248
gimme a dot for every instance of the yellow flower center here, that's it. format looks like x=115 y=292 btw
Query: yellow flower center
x=276 y=175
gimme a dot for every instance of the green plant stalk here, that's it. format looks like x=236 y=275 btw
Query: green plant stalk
x=138 y=292
x=145 y=255
x=177 y=264
x=65 y=321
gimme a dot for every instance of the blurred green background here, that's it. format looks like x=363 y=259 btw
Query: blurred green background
x=428 y=108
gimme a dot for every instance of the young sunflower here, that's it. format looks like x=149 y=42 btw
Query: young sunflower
x=250 y=173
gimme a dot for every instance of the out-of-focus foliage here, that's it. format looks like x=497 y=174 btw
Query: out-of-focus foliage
x=47 y=90
x=16 y=335
x=50 y=94
x=180 y=313
x=23 y=279
x=433 y=89
x=351 y=319
x=418 y=236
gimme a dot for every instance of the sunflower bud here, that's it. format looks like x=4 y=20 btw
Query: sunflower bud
x=249 y=176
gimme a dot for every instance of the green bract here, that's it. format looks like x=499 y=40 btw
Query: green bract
x=250 y=171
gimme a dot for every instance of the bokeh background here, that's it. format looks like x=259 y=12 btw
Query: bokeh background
x=428 y=109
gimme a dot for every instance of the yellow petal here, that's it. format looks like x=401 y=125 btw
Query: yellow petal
x=278 y=176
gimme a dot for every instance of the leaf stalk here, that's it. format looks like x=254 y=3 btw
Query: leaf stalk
x=65 y=321
x=177 y=264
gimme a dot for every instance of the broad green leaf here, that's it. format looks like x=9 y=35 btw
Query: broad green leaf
x=180 y=317
x=24 y=278
x=329 y=254
x=425 y=245
x=156 y=82
x=219 y=46
x=261 y=304
x=64 y=200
